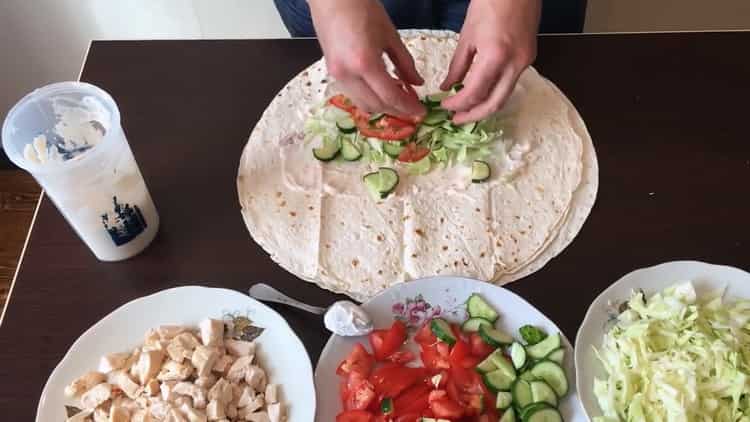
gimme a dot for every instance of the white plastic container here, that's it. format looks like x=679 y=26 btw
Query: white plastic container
x=69 y=137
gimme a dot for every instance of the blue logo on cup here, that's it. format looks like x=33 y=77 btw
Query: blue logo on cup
x=125 y=223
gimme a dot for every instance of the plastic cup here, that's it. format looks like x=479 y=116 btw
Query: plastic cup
x=69 y=137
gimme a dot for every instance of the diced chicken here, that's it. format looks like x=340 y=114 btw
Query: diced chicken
x=203 y=359
x=236 y=372
x=148 y=365
x=167 y=391
x=183 y=401
x=215 y=410
x=239 y=347
x=182 y=346
x=81 y=416
x=84 y=383
x=256 y=403
x=119 y=414
x=247 y=396
x=212 y=332
x=101 y=414
x=231 y=411
x=193 y=415
x=272 y=393
x=168 y=332
x=122 y=380
x=97 y=395
x=159 y=409
x=257 y=417
x=126 y=403
x=206 y=382
x=196 y=393
x=141 y=415
x=152 y=387
x=130 y=365
x=255 y=377
x=223 y=363
x=275 y=412
x=174 y=415
x=174 y=371
x=221 y=391
x=113 y=362
x=237 y=390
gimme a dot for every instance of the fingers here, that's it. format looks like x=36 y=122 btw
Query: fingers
x=459 y=65
x=404 y=62
x=395 y=100
x=485 y=74
x=361 y=94
x=494 y=102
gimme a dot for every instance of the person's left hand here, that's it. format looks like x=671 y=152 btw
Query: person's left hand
x=497 y=43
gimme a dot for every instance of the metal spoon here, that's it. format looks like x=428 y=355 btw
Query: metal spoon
x=267 y=293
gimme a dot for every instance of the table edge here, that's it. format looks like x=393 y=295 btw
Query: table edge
x=36 y=211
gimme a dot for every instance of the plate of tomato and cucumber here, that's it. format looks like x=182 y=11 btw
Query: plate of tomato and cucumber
x=449 y=349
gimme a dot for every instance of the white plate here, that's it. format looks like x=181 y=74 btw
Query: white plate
x=443 y=296
x=705 y=277
x=124 y=329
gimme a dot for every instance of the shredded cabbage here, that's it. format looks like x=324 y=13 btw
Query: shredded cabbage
x=676 y=357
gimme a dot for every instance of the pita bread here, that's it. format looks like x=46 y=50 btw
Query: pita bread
x=318 y=221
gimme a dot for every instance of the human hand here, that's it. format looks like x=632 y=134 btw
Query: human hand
x=354 y=35
x=497 y=43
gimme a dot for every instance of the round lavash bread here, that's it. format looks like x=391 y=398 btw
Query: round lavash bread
x=320 y=226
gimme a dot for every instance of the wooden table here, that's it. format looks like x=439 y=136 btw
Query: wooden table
x=668 y=114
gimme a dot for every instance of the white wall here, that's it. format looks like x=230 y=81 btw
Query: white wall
x=43 y=41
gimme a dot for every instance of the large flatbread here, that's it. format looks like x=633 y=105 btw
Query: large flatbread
x=317 y=220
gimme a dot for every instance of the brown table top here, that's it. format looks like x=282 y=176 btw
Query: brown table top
x=668 y=114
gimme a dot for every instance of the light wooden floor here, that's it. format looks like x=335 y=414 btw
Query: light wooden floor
x=18 y=197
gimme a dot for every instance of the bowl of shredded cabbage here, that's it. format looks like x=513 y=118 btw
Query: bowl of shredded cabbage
x=668 y=343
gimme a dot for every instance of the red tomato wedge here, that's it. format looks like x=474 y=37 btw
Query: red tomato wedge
x=413 y=400
x=390 y=381
x=410 y=417
x=413 y=153
x=355 y=416
x=424 y=335
x=479 y=347
x=461 y=350
x=360 y=393
x=342 y=102
x=387 y=128
x=401 y=357
x=446 y=408
x=386 y=342
x=432 y=358
x=358 y=361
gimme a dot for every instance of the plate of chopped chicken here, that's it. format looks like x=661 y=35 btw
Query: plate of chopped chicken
x=188 y=354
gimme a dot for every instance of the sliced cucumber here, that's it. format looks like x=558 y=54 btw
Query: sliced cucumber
x=508 y=416
x=375 y=117
x=393 y=148
x=436 y=117
x=349 y=151
x=498 y=380
x=434 y=100
x=541 y=392
x=442 y=330
x=469 y=127
x=528 y=376
x=448 y=125
x=479 y=308
x=456 y=87
x=386 y=406
x=329 y=150
x=521 y=391
x=488 y=364
x=502 y=363
x=381 y=183
x=544 y=347
x=494 y=337
x=346 y=125
x=528 y=410
x=546 y=414
x=480 y=171
x=504 y=400
x=557 y=356
x=518 y=355
x=424 y=131
x=472 y=324
x=553 y=375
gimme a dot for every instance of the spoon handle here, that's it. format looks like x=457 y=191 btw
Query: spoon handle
x=266 y=293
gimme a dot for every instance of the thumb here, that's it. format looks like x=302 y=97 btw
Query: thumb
x=404 y=62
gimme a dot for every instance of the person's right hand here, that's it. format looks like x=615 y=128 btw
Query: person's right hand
x=354 y=35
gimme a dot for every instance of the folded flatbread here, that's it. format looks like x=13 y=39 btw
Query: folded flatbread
x=318 y=221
